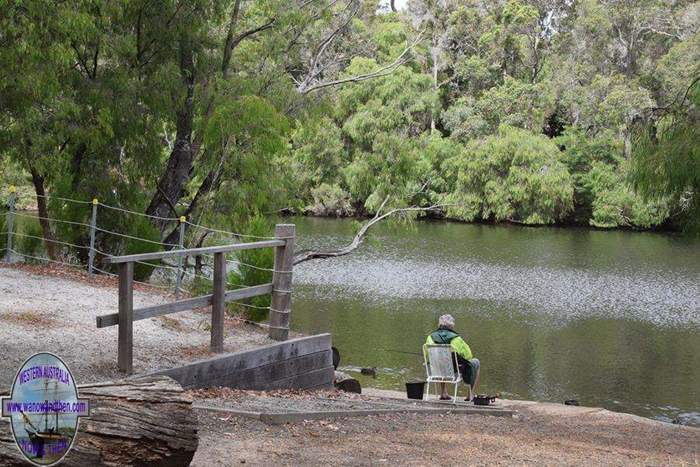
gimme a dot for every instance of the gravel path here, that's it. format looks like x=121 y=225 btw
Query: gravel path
x=40 y=311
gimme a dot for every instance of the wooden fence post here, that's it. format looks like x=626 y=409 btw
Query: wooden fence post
x=125 y=345
x=218 y=303
x=93 y=225
x=10 y=222
x=280 y=306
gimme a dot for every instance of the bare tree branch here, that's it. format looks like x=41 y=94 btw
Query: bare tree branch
x=385 y=70
x=232 y=41
x=359 y=237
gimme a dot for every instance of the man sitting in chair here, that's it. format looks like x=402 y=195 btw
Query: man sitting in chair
x=468 y=365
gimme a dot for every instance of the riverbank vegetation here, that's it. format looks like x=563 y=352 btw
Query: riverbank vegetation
x=526 y=111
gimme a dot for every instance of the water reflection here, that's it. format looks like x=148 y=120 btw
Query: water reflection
x=609 y=318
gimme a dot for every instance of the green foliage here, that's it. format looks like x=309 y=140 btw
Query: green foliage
x=393 y=168
x=201 y=286
x=248 y=136
x=253 y=267
x=444 y=129
x=604 y=197
x=12 y=173
x=401 y=103
x=514 y=176
x=30 y=242
x=3 y=230
x=666 y=161
x=125 y=101
x=513 y=103
x=580 y=153
x=330 y=200
x=317 y=155
x=141 y=228
x=616 y=204
x=435 y=178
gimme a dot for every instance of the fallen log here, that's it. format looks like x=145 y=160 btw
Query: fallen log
x=347 y=383
x=133 y=422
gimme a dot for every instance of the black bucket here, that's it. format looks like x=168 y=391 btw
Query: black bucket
x=414 y=390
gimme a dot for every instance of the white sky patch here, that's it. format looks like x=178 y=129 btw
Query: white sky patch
x=399 y=4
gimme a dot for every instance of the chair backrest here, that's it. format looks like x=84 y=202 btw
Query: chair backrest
x=440 y=362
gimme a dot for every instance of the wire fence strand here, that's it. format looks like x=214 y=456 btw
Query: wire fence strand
x=157 y=286
x=84 y=247
x=252 y=266
x=134 y=238
x=184 y=270
x=158 y=266
x=147 y=284
x=234 y=234
x=69 y=200
x=102 y=271
x=28 y=216
x=115 y=208
x=256 y=307
x=41 y=258
x=251 y=322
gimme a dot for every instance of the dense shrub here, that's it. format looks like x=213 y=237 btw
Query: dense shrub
x=616 y=204
x=253 y=267
x=330 y=200
x=143 y=229
x=30 y=242
x=512 y=176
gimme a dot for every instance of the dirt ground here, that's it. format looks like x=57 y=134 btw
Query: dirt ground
x=532 y=437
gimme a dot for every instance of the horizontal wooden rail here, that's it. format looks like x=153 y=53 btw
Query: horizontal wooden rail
x=209 y=250
x=280 y=288
x=104 y=321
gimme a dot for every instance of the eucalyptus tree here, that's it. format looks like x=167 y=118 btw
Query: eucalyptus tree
x=186 y=101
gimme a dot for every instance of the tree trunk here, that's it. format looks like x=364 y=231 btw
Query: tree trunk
x=179 y=168
x=77 y=166
x=435 y=51
x=209 y=184
x=38 y=181
x=135 y=422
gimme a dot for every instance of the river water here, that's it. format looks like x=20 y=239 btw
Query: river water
x=609 y=318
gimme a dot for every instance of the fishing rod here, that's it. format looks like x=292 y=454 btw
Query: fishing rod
x=402 y=351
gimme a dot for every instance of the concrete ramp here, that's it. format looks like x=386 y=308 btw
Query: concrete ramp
x=276 y=409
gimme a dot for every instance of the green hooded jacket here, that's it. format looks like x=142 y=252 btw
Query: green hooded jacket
x=448 y=336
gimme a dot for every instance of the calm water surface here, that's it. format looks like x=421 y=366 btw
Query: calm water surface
x=609 y=318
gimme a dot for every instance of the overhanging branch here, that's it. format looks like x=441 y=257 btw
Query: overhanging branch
x=382 y=71
x=359 y=237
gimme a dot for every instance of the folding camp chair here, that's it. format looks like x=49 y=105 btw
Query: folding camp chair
x=441 y=367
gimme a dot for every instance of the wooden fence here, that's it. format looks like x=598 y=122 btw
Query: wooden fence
x=280 y=288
